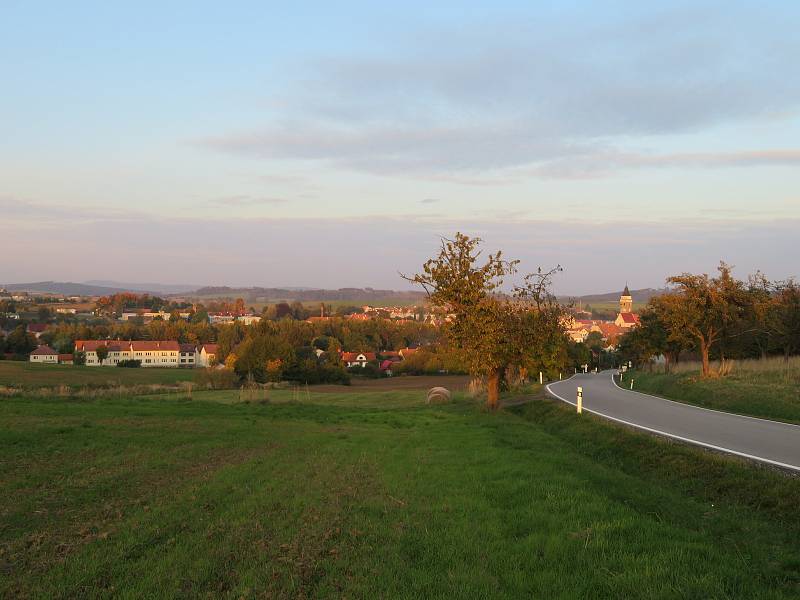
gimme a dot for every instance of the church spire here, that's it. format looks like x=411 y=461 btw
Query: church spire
x=626 y=301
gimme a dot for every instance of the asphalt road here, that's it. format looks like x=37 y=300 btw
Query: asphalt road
x=759 y=439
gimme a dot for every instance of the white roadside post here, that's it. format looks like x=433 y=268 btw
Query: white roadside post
x=580 y=400
x=540 y=378
x=559 y=375
x=631 y=383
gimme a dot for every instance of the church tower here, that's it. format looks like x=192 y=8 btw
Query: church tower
x=625 y=301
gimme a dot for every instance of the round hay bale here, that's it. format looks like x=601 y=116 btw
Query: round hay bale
x=438 y=394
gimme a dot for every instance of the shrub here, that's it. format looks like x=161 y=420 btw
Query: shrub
x=311 y=371
x=369 y=371
x=217 y=379
x=130 y=364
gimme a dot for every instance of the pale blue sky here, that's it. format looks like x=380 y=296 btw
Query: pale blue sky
x=314 y=135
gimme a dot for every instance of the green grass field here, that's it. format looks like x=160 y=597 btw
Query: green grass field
x=30 y=375
x=375 y=495
x=769 y=395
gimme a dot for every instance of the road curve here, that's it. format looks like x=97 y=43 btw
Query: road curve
x=758 y=439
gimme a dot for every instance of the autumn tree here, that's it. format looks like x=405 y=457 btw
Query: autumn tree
x=492 y=331
x=102 y=353
x=661 y=324
x=706 y=307
x=761 y=301
x=20 y=341
x=636 y=346
x=783 y=318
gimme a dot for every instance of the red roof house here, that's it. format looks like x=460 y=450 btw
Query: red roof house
x=43 y=354
x=360 y=359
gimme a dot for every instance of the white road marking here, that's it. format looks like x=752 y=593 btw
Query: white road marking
x=678 y=437
x=700 y=407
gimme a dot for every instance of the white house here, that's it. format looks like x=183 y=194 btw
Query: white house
x=358 y=359
x=165 y=353
x=249 y=319
x=207 y=356
x=44 y=354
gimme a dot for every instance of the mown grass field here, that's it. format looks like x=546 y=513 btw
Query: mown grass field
x=30 y=375
x=771 y=392
x=368 y=495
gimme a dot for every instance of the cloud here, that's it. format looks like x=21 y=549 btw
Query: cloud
x=311 y=251
x=556 y=95
x=244 y=200
x=604 y=163
x=31 y=215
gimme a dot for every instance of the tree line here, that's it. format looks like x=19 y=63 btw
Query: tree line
x=717 y=318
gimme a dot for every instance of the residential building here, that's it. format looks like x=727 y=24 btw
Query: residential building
x=627 y=320
x=149 y=315
x=37 y=329
x=217 y=318
x=188 y=355
x=44 y=354
x=358 y=359
x=407 y=352
x=386 y=367
x=160 y=353
x=207 y=355
x=249 y=319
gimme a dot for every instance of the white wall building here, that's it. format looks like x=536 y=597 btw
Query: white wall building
x=150 y=353
x=44 y=354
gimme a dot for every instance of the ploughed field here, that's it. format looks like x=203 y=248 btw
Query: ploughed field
x=365 y=494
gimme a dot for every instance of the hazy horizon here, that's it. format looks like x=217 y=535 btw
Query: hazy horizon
x=248 y=144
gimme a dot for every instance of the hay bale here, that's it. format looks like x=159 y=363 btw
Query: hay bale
x=438 y=394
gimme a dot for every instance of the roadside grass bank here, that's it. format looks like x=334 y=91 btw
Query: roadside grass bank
x=375 y=495
x=768 y=395
x=713 y=478
x=773 y=367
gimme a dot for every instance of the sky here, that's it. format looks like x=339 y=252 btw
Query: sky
x=333 y=144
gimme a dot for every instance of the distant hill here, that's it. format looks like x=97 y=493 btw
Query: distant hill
x=263 y=294
x=639 y=296
x=67 y=288
x=96 y=288
x=356 y=295
x=153 y=288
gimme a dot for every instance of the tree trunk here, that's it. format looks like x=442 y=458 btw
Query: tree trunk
x=704 y=354
x=786 y=352
x=493 y=389
x=667 y=361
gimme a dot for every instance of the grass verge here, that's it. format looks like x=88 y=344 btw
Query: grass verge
x=767 y=397
x=376 y=495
